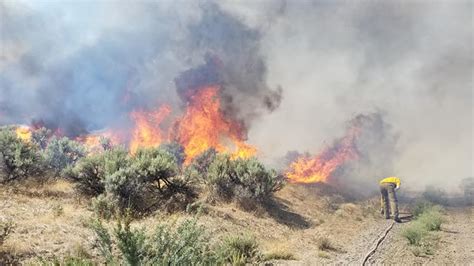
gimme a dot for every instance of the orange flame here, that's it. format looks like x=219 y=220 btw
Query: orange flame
x=23 y=133
x=203 y=126
x=147 y=132
x=319 y=168
x=92 y=141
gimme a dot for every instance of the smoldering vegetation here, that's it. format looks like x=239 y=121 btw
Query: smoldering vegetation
x=293 y=74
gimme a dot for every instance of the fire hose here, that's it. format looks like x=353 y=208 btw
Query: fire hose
x=377 y=243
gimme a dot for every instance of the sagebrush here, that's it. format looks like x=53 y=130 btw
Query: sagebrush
x=18 y=158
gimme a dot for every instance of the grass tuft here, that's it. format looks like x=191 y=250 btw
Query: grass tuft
x=325 y=244
x=279 y=255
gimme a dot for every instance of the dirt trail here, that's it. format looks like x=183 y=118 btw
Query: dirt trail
x=455 y=243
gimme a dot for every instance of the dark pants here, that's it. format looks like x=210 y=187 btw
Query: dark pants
x=389 y=199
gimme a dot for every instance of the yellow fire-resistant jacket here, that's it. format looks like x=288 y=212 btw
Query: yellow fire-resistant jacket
x=392 y=179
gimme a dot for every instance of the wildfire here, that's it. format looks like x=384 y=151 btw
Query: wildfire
x=203 y=126
x=147 y=131
x=308 y=169
x=23 y=133
x=93 y=141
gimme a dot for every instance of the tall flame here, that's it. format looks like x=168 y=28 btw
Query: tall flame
x=306 y=169
x=147 y=131
x=203 y=126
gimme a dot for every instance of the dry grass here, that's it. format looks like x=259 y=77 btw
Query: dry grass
x=51 y=220
x=279 y=251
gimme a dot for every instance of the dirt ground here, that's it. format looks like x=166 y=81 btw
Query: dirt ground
x=455 y=244
x=51 y=222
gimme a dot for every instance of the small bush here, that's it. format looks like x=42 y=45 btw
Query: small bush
x=188 y=244
x=90 y=172
x=431 y=219
x=131 y=243
x=41 y=137
x=151 y=179
x=148 y=180
x=245 y=180
x=236 y=249
x=325 y=244
x=102 y=207
x=197 y=171
x=18 y=158
x=415 y=233
x=63 y=152
x=176 y=150
x=104 y=240
x=420 y=207
x=184 y=244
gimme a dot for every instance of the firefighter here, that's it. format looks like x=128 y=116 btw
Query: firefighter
x=388 y=187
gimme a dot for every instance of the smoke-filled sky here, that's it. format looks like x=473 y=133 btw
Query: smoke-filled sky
x=295 y=71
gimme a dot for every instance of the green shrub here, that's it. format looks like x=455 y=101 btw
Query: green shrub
x=184 y=244
x=415 y=233
x=102 y=207
x=418 y=234
x=89 y=173
x=197 y=171
x=63 y=152
x=238 y=249
x=431 y=219
x=104 y=240
x=18 y=158
x=151 y=178
x=420 y=207
x=175 y=149
x=131 y=243
x=188 y=244
x=245 y=180
x=41 y=137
